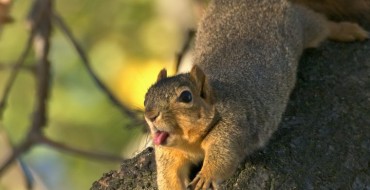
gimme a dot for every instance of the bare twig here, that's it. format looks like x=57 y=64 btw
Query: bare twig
x=185 y=48
x=24 y=146
x=40 y=24
x=40 y=37
x=27 y=175
x=41 y=29
x=5 y=66
x=41 y=47
x=87 y=154
x=124 y=109
x=29 y=68
x=14 y=73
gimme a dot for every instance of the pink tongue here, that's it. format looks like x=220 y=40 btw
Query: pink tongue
x=160 y=137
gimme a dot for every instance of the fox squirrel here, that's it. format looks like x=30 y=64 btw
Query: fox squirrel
x=231 y=102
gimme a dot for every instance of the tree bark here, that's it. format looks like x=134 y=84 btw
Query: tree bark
x=324 y=138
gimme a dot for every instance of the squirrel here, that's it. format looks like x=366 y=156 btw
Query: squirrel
x=231 y=102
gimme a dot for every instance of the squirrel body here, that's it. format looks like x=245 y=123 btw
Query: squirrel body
x=231 y=102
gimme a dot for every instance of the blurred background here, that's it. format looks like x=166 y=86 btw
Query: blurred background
x=128 y=43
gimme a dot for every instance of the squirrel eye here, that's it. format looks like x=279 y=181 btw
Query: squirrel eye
x=185 y=97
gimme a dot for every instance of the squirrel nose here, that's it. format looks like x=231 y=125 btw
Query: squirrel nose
x=152 y=115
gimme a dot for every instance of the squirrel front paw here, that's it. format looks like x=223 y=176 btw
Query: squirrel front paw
x=203 y=182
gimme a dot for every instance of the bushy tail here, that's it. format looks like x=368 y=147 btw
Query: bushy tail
x=338 y=8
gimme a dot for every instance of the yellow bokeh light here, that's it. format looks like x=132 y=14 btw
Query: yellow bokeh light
x=135 y=78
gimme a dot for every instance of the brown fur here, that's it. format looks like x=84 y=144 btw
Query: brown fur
x=246 y=56
x=162 y=74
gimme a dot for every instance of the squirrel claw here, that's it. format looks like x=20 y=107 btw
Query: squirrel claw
x=201 y=182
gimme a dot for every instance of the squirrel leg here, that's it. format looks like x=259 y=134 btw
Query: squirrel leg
x=346 y=32
x=222 y=158
x=316 y=28
x=172 y=169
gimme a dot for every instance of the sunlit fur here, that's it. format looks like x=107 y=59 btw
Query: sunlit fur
x=246 y=56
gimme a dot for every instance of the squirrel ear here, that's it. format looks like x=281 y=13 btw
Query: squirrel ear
x=201 y=82
x=162 y=75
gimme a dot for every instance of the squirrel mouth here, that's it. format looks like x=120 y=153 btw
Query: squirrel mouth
x=160 y=137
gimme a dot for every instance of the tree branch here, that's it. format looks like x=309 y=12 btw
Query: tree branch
x=93 y=155
x=42 y=47
x=23 y=147
x=29 y=68
x=39 y=21
x=67 y=32
x=14 y=73
x=27 y=175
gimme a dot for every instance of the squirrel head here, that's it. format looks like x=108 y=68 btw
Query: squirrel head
x=180 y=109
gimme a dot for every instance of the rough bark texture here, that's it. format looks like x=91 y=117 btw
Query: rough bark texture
x=323 y=141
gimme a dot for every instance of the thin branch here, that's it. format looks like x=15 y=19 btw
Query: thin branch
x=5 y=66
x=67 y=32
x=23 y=147
x=28 y=178
x=41 y=35
x=29 y=68
x=185 y=48
x=14 y=73
x=42 y=47
x=40 y=24
x=27 y=175
x=87 y=154
x=41 y=28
